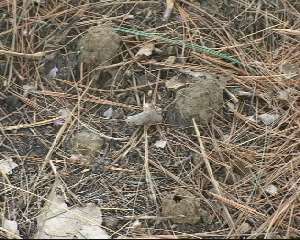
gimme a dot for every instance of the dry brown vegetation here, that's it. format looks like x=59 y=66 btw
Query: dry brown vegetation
x=229 y=164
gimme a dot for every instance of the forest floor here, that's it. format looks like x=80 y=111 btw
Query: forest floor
x=168 y=119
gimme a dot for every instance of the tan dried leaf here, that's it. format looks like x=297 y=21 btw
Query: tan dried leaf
x=146 y=50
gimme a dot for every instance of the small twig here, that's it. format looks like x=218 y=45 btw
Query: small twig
x=147 y=171
x=239 y=206
x=99 y=133
x=36 y=55
x=30 y=125
x=211 y=175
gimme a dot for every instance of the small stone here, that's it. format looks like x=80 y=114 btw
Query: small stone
x=182 y=207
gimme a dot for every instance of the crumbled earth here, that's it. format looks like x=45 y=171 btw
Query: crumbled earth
x=87 y=144
x=182 y=207
x=201 y=99
x=99 y=45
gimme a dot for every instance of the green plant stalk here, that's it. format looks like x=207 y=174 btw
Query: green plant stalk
x=176 y=41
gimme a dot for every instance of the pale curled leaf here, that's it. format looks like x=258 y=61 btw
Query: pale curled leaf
x=108 y=113
x=11 y=227
x=52 y=73
x=160 y=144
x=7 y=165
x=146 y=50
x=271 y=189
x=57 y=220
x=268 y=118
x=150 y=116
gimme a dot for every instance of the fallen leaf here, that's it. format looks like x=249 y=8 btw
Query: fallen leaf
x=150 y=116
x=52 y=73
x=7 y=165
x=57 y=220
x=271 y=189
x=268 y=118
x=11 y=227
x=174 y=83
x=160 y=144
x=136 y=224
x=146 y=50
x=108 y=113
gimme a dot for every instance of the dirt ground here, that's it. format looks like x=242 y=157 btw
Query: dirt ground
x=176 y=118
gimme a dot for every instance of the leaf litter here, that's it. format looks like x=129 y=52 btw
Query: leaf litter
x=7 y=165
x=57 y=220
x=189 y=48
